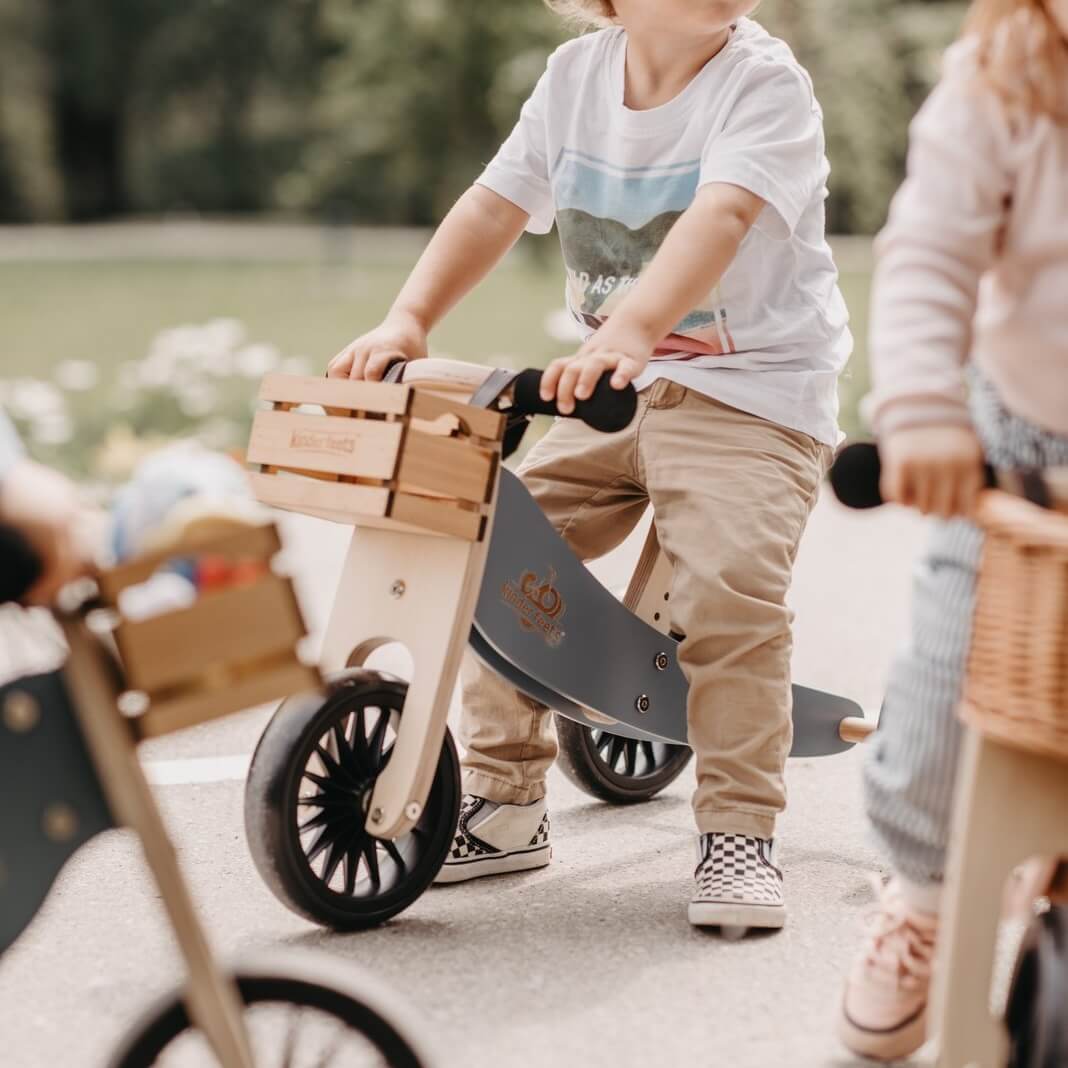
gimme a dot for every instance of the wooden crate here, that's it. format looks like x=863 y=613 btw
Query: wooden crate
x=233 y=648
x=375 y=454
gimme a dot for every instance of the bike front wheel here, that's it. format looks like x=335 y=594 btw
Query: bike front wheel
x=305 y=1011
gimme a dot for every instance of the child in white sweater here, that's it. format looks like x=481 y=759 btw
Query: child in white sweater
x=970 y=291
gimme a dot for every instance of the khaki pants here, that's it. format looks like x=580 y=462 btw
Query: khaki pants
x=731 y=494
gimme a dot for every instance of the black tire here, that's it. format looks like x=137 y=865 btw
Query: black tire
x=301 y=803
x=621 y=771
x=1037 y=1011
x=294 y=1008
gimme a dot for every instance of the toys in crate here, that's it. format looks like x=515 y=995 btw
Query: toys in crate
x=68 y=753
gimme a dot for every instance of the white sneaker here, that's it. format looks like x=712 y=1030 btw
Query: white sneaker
x=492 y=839
x=738 y=885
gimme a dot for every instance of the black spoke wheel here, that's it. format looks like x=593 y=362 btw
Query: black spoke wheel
x=619 y=770
x=306 y=801
x=1037 y=1010
x=310 y=1012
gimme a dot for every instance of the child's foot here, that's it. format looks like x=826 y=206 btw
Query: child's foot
x=738 y=885
x=492 y=839
x=884 y=1010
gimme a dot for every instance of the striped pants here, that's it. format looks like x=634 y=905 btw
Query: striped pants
x=912 y=761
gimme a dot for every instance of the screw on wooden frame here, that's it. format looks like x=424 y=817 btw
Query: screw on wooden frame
x=21 y=712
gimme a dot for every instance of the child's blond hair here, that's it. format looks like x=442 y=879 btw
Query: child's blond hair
x=585 y=12
x=1023 y=54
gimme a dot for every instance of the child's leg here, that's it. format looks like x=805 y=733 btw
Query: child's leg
x=732 y=494
x=911 y=763
x=586 y=484
x=912 y=760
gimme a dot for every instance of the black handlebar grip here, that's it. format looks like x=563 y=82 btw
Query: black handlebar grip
x=856 y=472
x=20 y=567
x=855 y=475
x=607 y=409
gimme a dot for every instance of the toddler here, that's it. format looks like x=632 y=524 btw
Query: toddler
x=680 y=152
x=973 y=273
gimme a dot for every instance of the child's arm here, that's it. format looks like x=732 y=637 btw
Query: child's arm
x=942 y=237
x=688 y=265
x=481 y=227
x=44 y=508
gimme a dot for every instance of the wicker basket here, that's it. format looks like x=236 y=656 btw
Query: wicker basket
x=1017 y=684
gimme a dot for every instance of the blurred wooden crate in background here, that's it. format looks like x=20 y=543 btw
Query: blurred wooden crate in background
x=233 y=648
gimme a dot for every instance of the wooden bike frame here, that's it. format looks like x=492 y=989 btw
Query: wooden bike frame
x=231 y=648
x=212 y=998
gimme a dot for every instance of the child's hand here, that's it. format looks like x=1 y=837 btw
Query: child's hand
x=44 y=508
x=613 y=348
x=369 y=356
x=936 y=469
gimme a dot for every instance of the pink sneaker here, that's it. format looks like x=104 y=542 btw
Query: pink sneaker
x=884 y=1010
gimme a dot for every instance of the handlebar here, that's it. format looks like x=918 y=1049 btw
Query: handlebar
x=20 y=567
x=607 y=409
x=857 y=469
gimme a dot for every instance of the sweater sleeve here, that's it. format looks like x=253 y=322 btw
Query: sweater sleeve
x=942 y=236
x=10 y=446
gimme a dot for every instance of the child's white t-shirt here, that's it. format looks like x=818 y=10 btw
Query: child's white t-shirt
x=773 y=337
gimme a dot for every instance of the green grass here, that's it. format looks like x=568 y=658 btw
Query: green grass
x=108 y=311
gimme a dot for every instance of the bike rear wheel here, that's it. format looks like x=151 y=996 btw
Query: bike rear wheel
x=621 y=771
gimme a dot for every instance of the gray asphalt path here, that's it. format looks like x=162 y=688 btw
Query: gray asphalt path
x=590 y=962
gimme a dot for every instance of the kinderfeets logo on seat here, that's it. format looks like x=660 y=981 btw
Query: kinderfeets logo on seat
x=538 y=603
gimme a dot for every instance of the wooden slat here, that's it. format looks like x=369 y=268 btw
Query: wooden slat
x=437 y=515
x=258 y=541
x=446 y=465
x=479 y=421
x=336 y=393
x=360 y=447
x=199 y=705
x=231 y=625
x=345 y=501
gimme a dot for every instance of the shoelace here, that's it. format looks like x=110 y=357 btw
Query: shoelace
x=901 y=944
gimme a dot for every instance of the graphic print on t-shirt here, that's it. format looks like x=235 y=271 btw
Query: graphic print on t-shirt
x=612 y=220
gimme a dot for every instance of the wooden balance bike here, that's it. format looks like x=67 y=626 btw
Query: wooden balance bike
x=1012 y=793
x=352 y=802
x=69 y=769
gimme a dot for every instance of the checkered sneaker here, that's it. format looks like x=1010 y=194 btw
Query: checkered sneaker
x=465 y=844
x=494 y=839
x=541 y=835
x=737 y=869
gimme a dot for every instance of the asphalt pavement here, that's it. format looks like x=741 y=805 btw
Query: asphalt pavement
x=589 y=962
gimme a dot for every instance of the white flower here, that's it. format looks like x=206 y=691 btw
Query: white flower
x=197 y=399
x=54 y=429
x=296 y=365
x=561 y=326
x=224 y=334
x=30 y=398
x=78 y=376
x=254 y=361
x=220 y=433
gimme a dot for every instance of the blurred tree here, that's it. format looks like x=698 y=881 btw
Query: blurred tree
x=378 y=110
x=123 y=65
x=222 y=108
x=419 y=94
x=872 y=64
